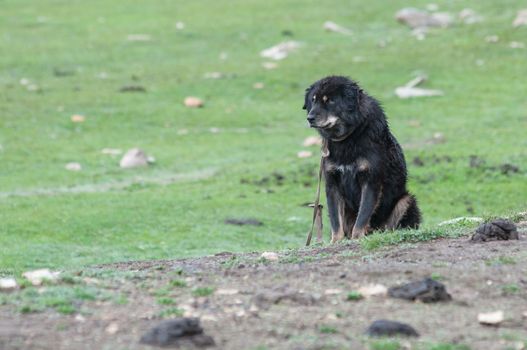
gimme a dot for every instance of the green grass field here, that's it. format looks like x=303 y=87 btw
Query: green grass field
x=76 y=55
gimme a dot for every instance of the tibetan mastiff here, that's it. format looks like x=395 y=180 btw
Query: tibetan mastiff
x=365 y=170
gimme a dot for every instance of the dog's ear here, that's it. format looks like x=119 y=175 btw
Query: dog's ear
x=360 y=95
x=307 y=100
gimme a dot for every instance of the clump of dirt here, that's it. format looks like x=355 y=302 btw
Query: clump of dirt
x=496 y=230
x=480 y=163
x=386 y=328
x=304 y=175
x=177 y=333
x=132 y=88
x=426 y=290
x=418 y=161
x=243 y=222
x=266 y=298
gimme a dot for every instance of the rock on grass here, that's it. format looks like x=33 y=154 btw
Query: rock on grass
x=135 y=157
x=37 y=277
x=7 y=284
x=491 y=318
x=193 y=102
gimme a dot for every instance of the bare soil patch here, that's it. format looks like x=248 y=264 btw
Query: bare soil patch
x=303 y=301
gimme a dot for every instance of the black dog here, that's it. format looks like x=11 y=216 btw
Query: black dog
x=365 y=170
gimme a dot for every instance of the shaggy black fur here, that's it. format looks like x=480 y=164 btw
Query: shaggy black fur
x=365 y=171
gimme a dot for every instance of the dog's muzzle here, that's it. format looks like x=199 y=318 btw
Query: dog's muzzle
x=311 y=120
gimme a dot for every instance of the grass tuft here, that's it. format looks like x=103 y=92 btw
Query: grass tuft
x=381 y=239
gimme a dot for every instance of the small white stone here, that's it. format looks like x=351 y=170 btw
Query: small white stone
x=492 y=39
x=372 y=290
x=112 y=328
x=8 y=283
x=180 y=25
x=213 y=75
x=332 y=291
x=111 y=151
x=135 y=157
x=138 y=37
x=193 y=102
x=491 y=318
x=521 y=18
x=270 y=256
x=312 y=141
x=73 y=166
x=77 y=118
x=281 y=50
x=269 y=65
x=227 y=292
x=79 y=318
x=36 y=277
x=516 y=45
x=304 y=154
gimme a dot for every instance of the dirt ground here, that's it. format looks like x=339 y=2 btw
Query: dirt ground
x=298 y=302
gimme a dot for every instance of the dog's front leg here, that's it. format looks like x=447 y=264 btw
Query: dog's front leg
x=334 y=210
x=368 y=202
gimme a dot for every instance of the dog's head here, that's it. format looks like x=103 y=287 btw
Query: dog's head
x=333 y=107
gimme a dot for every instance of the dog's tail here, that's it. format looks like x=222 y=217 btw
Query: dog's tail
x=405 y=214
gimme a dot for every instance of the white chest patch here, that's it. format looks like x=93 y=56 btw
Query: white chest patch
x=345 y=168
x=361 y=165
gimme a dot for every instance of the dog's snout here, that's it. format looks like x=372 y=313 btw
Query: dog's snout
x=311 y=118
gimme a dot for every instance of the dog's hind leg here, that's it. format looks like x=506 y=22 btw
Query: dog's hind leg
x=405 y=214
x=412 y=217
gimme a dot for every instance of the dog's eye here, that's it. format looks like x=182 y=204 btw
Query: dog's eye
x=314 y=98
x=327 y=100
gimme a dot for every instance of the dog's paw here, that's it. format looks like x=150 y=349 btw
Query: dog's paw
x=337 y=237
x=358 y=232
